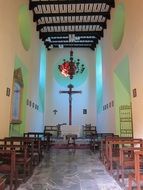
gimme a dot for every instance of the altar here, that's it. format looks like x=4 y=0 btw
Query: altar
x=71 y=129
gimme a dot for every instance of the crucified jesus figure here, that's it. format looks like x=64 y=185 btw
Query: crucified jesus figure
x=70 y=92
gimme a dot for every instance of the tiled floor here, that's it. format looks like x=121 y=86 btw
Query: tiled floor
x=66 y=169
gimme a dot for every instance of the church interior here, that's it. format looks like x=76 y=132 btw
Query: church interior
x=70 y=95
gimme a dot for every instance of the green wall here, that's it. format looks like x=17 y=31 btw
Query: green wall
x=25 y=26
x=122 y=88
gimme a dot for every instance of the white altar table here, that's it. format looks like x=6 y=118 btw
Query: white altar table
x=71 y=129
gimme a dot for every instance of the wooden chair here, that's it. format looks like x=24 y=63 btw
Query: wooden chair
x=71 y=140
x=94 y=142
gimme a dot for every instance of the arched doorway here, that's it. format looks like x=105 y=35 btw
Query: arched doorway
x=18 y=101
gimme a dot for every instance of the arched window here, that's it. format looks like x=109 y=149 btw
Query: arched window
x=17 y=97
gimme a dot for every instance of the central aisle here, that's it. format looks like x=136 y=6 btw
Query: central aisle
x=66 y=169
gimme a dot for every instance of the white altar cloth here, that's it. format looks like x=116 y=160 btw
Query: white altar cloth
x=70 y=129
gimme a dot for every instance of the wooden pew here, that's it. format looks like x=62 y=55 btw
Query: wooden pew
x=104 y=150
x=89 y=130
x=34 y=134
x=137 y=177
x=101 y=139
x=2 y=183
x=97 y=141
x=8 y=167
x=127 y=159
x=34 y=146
x=55 y=131
x=23 y=154
x=114 y=146
x=105 y=147
x=45 y=138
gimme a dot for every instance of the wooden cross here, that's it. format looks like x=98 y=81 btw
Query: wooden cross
x=55 y=111
x=70 y=92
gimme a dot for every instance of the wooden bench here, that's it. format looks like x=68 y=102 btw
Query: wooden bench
x=24 y=154
x=103 y=140
x=105 y=146
x=113 y=149
x=8 y=167
x=89 y=130
x=55 y=131
x=2 y=183
x=71 y=138
x=137 y=176
x=45 y=138
x=127 y=160
x=33 y=145
x=34 y=134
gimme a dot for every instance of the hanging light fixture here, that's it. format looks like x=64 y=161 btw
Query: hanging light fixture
x=69 y=68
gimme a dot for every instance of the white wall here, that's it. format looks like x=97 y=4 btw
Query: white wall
x=85 y=100
x=10 y=47
x=132 y=46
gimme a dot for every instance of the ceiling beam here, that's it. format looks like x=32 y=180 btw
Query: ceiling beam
x=39 y=15
x=70 y=46
x=102 y=24
x=71 y=43
x=44 y=35
x=80 y=38
x=93 y=46
x=34 y=4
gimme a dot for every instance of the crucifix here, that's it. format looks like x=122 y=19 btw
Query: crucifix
x=70 y=92
x=55 y=111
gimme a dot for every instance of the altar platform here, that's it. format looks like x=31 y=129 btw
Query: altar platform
x=60 y=134
x=71 y=129
x=62 y=143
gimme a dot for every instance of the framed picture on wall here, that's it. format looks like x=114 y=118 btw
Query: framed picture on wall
x=134 y=92
x=112 y=103
x=84 y=111
x=7 y=91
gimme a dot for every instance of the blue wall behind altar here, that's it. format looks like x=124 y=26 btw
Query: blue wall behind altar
x=84 y=82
